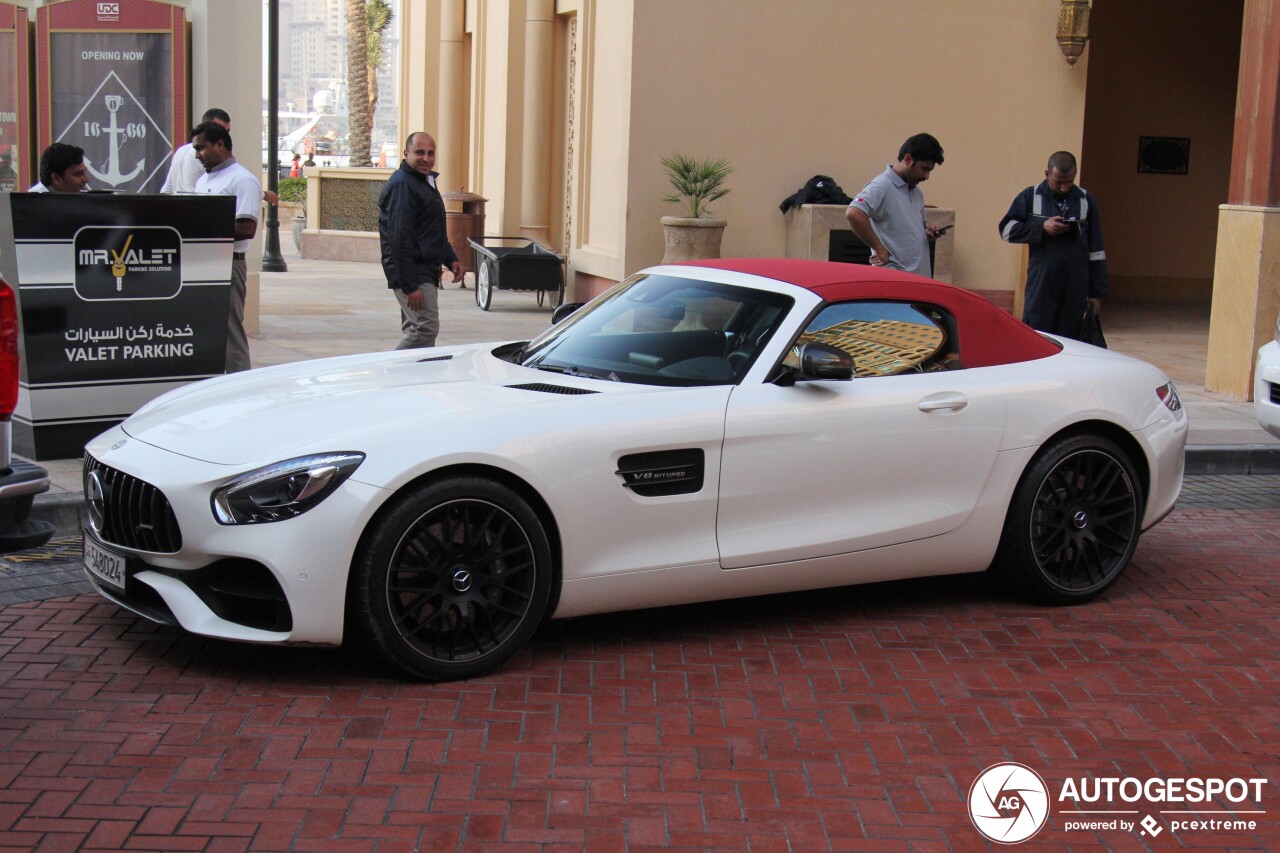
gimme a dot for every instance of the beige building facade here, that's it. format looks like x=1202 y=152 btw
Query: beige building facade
x=558 y=111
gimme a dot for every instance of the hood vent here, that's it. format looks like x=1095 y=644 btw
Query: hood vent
x=435 y=358
x=552 y=389
x=666 y=472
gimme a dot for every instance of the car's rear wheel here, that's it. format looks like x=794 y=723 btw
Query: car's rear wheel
x=452 y=579
x=1073 y=523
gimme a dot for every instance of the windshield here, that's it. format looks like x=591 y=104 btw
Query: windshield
x=662 y=330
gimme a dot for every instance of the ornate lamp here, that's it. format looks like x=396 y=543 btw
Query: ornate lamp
x=1073 y=28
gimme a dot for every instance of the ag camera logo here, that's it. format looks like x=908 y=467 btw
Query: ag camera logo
x=1008 y=803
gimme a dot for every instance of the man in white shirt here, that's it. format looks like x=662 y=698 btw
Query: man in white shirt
x=184 y=168
x=62 y=170
x=224 y=176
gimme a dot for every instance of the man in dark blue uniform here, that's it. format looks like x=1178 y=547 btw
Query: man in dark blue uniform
x=1067 y=268
x=415 y=243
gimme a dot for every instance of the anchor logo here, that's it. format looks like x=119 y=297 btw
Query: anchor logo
x=134 y=130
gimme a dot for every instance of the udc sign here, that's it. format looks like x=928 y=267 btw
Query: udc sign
x=137 y=262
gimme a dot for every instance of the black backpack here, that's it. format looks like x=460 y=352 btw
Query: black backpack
x=820 y=189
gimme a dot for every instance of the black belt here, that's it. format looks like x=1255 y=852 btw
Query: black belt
x=237 y=256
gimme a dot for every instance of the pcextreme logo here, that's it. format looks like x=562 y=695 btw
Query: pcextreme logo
x=1009 y=803
x=138 y=262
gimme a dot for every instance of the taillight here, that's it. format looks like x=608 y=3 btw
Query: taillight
x=1169 y=396
x=8 y=351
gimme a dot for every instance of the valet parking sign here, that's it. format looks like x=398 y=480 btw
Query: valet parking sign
x=1011 y=803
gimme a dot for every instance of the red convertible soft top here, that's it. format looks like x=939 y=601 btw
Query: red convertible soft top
x=988 y=336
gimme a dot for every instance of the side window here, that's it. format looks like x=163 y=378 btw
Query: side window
x=885 y=338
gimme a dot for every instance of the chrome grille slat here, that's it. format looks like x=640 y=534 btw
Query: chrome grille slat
x=136 y=514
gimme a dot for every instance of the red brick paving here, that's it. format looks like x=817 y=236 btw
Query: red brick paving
x=853 y=719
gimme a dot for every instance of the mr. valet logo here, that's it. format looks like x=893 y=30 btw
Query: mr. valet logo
x=126 y=263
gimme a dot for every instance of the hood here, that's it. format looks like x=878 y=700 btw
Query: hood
x=332 y=404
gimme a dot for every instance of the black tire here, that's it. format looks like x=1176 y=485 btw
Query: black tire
x=1073 y=523
x=486 y=277
x=452 y=579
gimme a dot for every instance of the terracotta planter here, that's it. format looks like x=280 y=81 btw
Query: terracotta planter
x=691 y=239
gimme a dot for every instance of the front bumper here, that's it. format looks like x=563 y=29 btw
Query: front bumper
x=1266 y=388
x=283 y=582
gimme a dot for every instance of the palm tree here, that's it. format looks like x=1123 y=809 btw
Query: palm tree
x=358 y=83
x=379 y=12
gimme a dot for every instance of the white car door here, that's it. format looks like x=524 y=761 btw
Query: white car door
x=831 y=467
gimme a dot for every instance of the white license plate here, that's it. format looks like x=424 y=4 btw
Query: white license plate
x=104 y=564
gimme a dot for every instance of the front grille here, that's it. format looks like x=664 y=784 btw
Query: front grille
x=135 y=514
x=1275 y=393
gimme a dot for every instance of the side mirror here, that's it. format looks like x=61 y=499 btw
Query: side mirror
x=823 y=361
x=565 y=310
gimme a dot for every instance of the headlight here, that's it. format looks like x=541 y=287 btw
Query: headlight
x=283 y=490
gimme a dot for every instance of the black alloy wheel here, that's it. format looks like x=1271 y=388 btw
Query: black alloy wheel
x=453 y=579
x=1073 y=523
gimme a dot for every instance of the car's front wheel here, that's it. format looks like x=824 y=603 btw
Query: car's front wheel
x=452 y=579
x=1073 y=523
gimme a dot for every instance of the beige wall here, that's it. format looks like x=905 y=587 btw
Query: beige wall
x=1161 y=68
x=834 y=87
x=783 y=91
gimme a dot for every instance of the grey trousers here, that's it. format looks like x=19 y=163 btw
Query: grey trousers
x=237 y=340
x=419 y=327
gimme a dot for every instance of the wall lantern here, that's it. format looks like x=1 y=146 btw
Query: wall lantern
x=1073 y=28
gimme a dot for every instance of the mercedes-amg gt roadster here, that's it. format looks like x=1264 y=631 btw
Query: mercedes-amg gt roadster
x=701 y=431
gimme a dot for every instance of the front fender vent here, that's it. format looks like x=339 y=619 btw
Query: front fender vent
x=664 y=473
x=435 y=358
x=545 y=388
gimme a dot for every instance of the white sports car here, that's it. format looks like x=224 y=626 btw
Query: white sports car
x=701 y=431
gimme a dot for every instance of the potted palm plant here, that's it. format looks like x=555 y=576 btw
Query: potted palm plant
x=695 y=183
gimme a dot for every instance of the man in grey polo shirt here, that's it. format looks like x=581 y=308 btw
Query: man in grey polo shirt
x=888 y=214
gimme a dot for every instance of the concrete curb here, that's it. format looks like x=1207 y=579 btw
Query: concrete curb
x=66 y=509
x=1234 y=459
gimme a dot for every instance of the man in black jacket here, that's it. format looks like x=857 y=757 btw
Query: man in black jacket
x=415 y=244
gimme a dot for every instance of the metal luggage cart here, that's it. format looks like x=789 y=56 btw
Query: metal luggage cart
x=530 y=266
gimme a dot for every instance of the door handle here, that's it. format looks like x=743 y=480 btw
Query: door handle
x=948 y=401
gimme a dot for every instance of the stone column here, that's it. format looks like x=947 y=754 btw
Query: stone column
x=1246 y=292
x=535 y=159
x=451 y=134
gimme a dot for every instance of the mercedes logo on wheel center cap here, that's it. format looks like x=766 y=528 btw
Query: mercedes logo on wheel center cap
x=95 y=496
x=1080 y=519
x=461 y=580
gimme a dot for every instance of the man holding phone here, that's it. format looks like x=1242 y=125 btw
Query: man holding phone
x=888 y=214
x=1067 y=266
